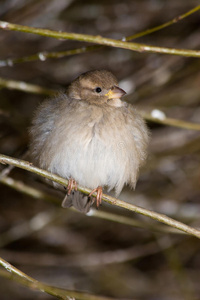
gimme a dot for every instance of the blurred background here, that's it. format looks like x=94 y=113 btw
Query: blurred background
x=126 y=260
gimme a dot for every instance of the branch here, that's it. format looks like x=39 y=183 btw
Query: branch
x=25 y=87
x=18 y=276
x=170 y=121
x=111 y=200
x=36 y=89
x=44 y=55
x=162 y=26
x=21 y=187
x=98 y=40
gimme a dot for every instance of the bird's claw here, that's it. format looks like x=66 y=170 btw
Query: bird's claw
x=72 y=185
x=99 y=192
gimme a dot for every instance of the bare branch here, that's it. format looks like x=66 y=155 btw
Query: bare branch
x=98 y=40
x=111 y=200
x=19 y=276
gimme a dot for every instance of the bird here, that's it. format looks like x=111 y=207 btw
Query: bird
x=91 y=137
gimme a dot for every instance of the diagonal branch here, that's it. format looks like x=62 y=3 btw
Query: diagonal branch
x=44 y=55
x=19 y=276
x=20 y=186
x=111 y=200
x=98 y=40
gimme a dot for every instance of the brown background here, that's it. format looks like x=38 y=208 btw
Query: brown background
x=85 y=253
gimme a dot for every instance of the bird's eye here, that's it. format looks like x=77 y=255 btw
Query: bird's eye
x=98 y=90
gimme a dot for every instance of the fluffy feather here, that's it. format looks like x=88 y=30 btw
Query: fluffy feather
x=86 y=136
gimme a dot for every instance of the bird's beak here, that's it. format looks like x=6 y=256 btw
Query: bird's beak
x=115 y=93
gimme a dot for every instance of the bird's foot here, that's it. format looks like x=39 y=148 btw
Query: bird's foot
x=99 y=192
x=72 y=185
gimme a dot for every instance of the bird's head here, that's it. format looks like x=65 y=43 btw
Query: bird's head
x=97 y=87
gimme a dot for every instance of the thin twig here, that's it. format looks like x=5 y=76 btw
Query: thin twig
x=25 y=87
x=111 y=200
x=98 y=40
x=171 y=122
x=35 y=89
x=28 y=190
x=19 y=276
x=162 y=26
x=38 y=194
x=42 y=56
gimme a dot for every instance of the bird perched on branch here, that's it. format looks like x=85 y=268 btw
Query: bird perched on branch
x=91 y=137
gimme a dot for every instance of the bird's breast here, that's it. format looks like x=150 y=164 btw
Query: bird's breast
x=95 y=117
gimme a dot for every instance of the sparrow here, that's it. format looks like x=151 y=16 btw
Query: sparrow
x=91 y=137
